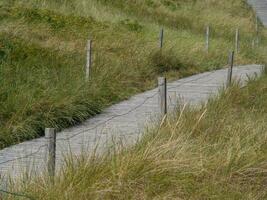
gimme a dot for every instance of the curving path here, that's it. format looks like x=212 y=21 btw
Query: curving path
x=125 y=121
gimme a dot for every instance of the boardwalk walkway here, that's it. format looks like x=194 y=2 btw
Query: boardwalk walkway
x=260 y=7
x=125 y=120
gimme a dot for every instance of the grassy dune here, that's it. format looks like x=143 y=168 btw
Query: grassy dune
x=42 y=54
x=218 y=151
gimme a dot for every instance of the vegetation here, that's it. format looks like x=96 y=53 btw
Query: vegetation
x=42 y=54
x=218 y=151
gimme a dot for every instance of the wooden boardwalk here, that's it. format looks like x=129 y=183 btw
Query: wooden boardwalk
x=260 y=6
x=125 y=121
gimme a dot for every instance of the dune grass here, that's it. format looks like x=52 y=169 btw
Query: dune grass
x=42 y=54
x=218 y=151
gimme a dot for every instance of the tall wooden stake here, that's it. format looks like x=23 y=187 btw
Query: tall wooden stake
x=88 y=59
x=237 y=40
x=257 y=31
x=207 y=38
x=253 y=43
x=230 y=69
x=162 y=85
x=161 y=38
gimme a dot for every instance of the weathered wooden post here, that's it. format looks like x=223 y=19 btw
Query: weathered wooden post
x=264 y=69
x=162 y=85
x=230 y=69
x=50 y=136
x=257 y=31
x=237 y=37
x=253 y=43
x=207 y=38
x=161 y=38
x=257 y=24
x=88 y=59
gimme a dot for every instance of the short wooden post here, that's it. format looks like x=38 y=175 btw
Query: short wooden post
x=161 y=38
x=88 y=59
x=162 y=85
x=207 y=38
x=237 y=40
x=50 y=136
x=230 y=69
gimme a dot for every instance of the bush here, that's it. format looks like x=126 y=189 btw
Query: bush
x=165 y=60
x=131 y=25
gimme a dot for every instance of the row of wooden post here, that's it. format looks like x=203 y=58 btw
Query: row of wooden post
x=161 y=41
x=237 y=40
x=207 y=43
x=162 y=85
x=50 y=133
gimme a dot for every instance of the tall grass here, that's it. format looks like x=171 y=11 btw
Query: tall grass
x=218 y=151
x=42 y=54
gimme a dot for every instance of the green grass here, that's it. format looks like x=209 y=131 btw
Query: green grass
x=218 y=151
x=42 y=54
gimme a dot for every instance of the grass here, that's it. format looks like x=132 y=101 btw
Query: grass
x=218 y=151
x=42 y=54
